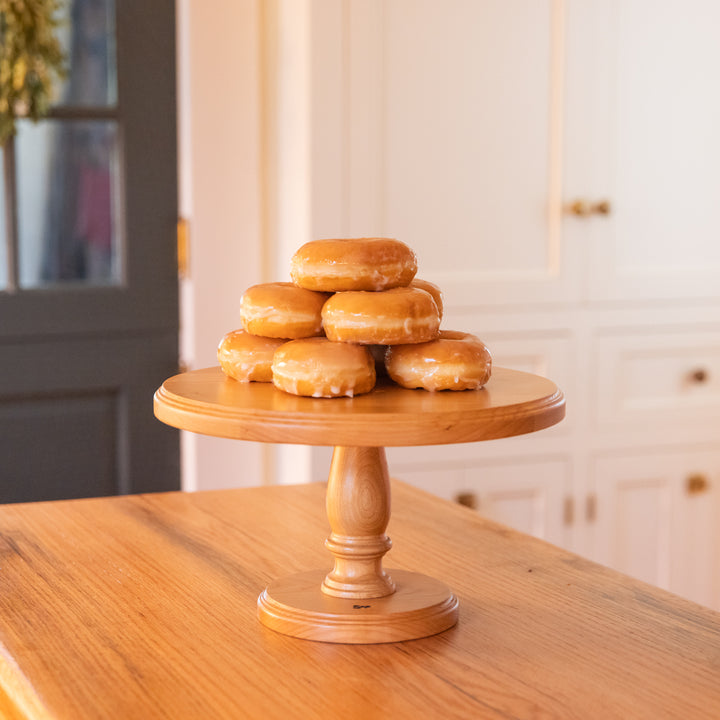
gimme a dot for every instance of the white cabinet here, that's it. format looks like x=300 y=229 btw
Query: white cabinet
x=470 y=130
x=656 y=518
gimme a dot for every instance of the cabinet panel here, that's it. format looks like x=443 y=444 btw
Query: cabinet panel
x=695 y=570
x=462 y=219
x=661 y=102
x=634 y=520
x=430 y=143
x=656 y=519
x=662 y=378
x=527 y=495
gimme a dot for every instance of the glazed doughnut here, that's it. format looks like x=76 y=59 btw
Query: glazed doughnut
x=317 y=367
x=353 y=264
x=390 y=317
x=246 y=357
x=433 y=289
x=282 y=310
x=455 y=361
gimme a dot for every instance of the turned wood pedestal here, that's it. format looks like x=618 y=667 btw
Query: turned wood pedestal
x=358 y=601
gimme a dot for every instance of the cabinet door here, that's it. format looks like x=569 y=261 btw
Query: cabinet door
x=526 y=495
x=655 y=519
x=643 y=106
x=440 y=124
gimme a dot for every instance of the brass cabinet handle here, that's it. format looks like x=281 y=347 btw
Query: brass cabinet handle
x=584 y=208
x=696 y=484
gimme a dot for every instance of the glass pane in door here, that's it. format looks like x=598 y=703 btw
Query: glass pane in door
x=67 y=187
x=87 y=34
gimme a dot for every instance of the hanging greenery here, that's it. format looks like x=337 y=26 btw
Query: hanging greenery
x=31 y=60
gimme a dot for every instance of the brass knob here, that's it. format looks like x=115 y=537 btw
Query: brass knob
x=602 y=208
x=468 y=499
x=581 y=208
x=696 y=484
x=584 y=208
x=699 y=376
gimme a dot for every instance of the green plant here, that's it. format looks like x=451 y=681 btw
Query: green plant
x=31 y=60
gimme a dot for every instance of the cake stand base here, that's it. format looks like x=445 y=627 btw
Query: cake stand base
x=297 y=606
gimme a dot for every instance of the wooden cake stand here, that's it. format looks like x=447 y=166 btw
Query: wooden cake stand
x=358 y=601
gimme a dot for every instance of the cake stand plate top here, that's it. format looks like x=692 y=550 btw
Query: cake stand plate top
x=207 y=402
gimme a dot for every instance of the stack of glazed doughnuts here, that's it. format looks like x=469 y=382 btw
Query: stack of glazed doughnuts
x=353 y=310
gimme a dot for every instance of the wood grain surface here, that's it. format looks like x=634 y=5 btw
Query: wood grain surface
x=145 y=607
x=512 y=403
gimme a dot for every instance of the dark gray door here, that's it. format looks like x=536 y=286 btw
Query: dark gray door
x=88 y=272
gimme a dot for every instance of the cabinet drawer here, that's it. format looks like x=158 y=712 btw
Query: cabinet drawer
x=659 y=378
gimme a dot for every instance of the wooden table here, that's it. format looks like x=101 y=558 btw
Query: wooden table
x=145 y=607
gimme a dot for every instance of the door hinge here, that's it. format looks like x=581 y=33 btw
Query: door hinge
x=568 y=510
x=183 y=248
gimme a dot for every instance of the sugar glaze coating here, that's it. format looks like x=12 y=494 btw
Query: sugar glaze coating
x=390 y=317
x=282 y=310
x=455 y=361
x=318 y=367
x=353 y=264
x=247 y=358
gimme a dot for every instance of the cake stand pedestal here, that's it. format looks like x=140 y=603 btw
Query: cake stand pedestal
x=358 y=601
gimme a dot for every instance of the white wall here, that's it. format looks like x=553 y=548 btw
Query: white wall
x=244 y=173
x=220 y=179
